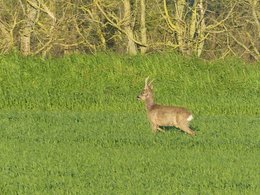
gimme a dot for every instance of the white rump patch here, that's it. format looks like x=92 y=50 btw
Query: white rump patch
x=190 y=118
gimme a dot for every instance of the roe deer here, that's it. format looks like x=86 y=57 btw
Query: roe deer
x=160 y=115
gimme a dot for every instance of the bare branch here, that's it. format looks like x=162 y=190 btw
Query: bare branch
x=44 y=8
x=221 y=22
x=168 y=18
x=256 y=57
x=117 y=26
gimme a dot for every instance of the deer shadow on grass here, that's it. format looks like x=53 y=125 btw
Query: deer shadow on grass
x=169 y=129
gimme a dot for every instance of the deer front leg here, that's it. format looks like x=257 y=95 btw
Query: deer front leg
x=159 y=129
x=156 y=128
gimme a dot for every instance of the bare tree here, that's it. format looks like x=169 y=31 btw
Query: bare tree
x=205 y=28
x=7 y=27
x=122 y=20
x=242 y=30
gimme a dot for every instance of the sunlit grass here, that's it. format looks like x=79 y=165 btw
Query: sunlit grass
x=73 y=125
x=115 y=152
x=110 y=82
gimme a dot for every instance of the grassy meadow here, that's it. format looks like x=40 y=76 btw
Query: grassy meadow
x=72 y=125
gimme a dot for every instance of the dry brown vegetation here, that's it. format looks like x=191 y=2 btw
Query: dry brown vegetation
x=204 y=28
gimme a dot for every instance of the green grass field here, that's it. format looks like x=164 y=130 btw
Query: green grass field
x=73 y=126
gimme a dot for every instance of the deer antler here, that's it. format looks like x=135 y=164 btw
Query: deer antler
x=150 y=83
x=146 y=82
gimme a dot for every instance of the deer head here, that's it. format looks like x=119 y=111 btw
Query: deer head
x=147 y=91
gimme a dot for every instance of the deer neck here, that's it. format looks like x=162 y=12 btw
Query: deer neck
x=149 y=103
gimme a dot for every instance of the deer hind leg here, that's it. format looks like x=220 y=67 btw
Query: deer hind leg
x=184 y=126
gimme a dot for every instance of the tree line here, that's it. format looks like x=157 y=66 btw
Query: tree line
x=204 y=28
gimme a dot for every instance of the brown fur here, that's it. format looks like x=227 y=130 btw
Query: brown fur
x=160 y=115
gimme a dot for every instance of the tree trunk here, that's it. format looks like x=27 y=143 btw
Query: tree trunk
x=98 y=28
x=25 y=35
x=131 y=46
x=143 y=27
x=7 y=38
x=180 y=25
x=192 y=28
x=201 y=31
x=256 y=15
